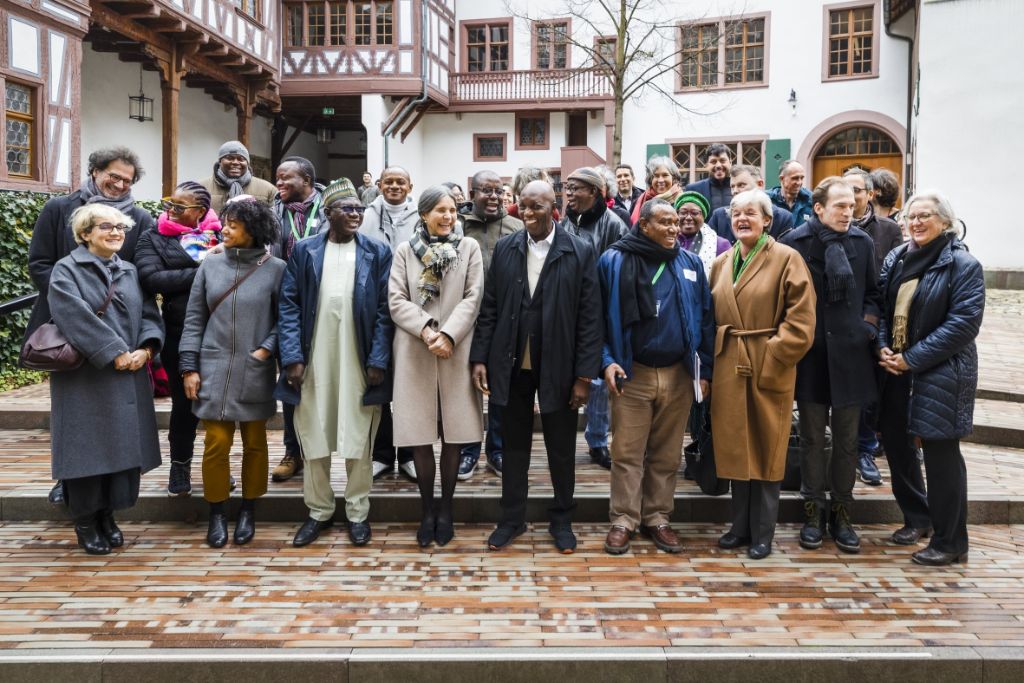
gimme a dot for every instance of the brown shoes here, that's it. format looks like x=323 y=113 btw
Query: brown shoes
x=290 y=465
x=617 y=540
x=663 y=537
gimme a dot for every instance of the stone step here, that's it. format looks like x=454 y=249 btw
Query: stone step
x=995 y=486
x=497 y=664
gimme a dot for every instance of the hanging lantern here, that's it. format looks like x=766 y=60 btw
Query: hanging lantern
x=140 y=107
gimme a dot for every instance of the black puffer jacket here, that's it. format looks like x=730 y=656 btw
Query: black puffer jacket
x=599 y=226
x=165 y=268
x=945 y=317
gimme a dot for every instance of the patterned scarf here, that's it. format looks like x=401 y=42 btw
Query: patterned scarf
x=739 y=264
x=124 y=203
x=438 y=255
x=235 y=186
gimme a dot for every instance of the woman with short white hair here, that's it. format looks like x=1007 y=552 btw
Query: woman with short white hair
x=102 y=423
x=934 y=299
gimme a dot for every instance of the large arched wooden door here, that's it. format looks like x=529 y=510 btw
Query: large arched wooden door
x=859 y=146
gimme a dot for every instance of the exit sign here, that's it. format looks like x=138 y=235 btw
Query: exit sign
x=328 y=111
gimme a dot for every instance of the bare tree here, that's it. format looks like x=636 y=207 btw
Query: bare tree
x=642 y=45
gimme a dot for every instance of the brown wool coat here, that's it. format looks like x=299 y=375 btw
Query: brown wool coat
x=421 y=378
x=751 y=411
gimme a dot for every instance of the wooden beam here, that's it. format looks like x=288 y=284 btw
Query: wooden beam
x=295 y=136
x=412 y=124
x=395 y=112
x=170 y=89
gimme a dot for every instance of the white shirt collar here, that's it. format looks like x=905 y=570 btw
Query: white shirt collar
x=545 y=243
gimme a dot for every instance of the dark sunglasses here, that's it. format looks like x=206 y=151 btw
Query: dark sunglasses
x=173 y=207
x=349 y=209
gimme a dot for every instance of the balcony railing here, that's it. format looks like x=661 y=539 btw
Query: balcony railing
x=530 y=86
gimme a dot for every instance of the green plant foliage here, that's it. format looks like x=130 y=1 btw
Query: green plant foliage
x=17 y=378
x=18 y=212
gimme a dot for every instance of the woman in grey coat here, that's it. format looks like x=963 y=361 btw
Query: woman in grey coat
x=102 y=424
x=227 y=358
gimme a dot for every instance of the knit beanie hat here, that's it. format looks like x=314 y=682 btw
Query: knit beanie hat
x=342 y=188
x=697 y=198
x=233 y=147
x=590 y=177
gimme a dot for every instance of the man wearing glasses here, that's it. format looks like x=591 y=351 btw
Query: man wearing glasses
x=111 y=174
x=587 y=216
x=487 y=222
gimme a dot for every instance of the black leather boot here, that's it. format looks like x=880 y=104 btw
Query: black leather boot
x=89 y=537
x=245 y=528
x=110 y=530
x=813 y=531
x=217 y=532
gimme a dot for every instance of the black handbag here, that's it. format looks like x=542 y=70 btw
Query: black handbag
x=47 y=348
x=704 y=470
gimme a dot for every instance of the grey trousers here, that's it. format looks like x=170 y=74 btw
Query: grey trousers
x=813 y=464
x=755 y=510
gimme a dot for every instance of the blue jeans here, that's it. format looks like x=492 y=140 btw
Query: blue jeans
x=494 y=441
x=867 y=442
x=596 y=411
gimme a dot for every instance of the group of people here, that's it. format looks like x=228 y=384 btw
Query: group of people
x=646 y=308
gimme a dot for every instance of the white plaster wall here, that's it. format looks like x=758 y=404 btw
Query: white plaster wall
x=968 y=108
x=204 y=124
x=796 y=33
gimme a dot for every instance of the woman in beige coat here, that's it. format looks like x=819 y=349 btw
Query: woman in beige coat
x=437 y=282
x=764 y=310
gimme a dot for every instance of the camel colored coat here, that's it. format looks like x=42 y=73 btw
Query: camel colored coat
x=422 y=380
x=765 y=325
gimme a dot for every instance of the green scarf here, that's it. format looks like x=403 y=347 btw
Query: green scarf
x=739 y=264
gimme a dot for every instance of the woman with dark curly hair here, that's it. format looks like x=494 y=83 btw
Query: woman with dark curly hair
x=227 y=358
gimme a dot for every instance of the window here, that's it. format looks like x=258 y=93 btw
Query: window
x=604 y=49
x=551 y=45
x=532 y=131
x=859 y=142
x=723 y=54
x=489 y=146
x=18 y=129
x=851 y=41
x=250 y=7
x=339 y=22
x=487 y=46
x=691 y=157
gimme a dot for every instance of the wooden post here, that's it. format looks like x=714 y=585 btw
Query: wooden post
x=246 y=100
x=170 y=88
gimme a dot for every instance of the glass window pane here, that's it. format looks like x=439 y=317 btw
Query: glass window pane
x=490 y=147
x=315 y=24
x=18 y=98
x=384 y=23
x=363 y=14
x=294 y=25
x=338 y=20
x=499 y=58
x=476 y=34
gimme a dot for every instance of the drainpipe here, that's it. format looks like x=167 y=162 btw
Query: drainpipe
x=910 y=93
x=424 y=73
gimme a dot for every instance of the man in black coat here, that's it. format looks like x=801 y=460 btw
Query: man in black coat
x=838 y=371
x=112 y=172
x=538 y=334
x=587 y=216
x=629 y=193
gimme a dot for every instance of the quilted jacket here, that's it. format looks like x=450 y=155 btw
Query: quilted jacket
x=945 y=317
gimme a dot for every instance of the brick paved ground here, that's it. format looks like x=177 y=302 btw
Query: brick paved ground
x=165 y=589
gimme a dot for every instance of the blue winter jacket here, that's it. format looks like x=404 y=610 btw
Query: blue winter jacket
x=802 y=209
x=694 y=301
x=945 y=317
x=300 y=294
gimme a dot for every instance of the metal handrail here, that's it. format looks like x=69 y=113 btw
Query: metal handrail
x=17 y=304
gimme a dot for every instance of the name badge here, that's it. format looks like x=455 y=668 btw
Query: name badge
x=690 y=275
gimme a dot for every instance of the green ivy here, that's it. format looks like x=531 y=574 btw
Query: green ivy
x=18 y=213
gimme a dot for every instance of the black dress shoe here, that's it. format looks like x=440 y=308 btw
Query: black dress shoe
x=245 y=527
x=110 y=531
x=217 y=532
x=444 y=531
x=56 y=495
x=565 y=539
x=505 y=534
x=909 y=535
x=936 y=558
x=425 y=534
x=359 y=533
x=90 y=539
x=601 y=456
x=759 y=551
x=310 y=531
x=730 y=541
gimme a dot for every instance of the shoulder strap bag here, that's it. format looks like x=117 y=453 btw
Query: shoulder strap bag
x=47 y=348
x=225 y=295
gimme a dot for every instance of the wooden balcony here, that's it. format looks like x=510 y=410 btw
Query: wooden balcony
x=505 y=90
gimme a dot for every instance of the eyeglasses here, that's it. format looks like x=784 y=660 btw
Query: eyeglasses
x=690 y=212
x=349 y=209
x=117 y=179
x=167 y=204
x=570 y=188
x=489 y=191
x=858 y=190
x=919 y=217
x=111 y=227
